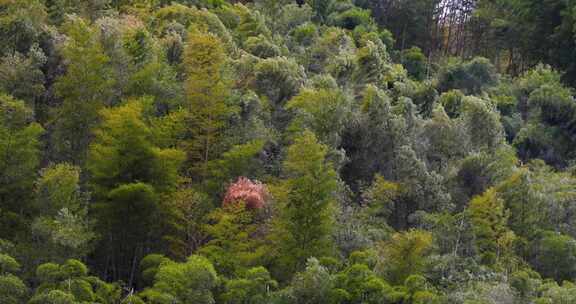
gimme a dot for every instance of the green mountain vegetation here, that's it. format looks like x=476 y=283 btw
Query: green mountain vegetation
x=287 y=152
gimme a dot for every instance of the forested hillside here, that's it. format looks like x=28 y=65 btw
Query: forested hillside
x=287 y=152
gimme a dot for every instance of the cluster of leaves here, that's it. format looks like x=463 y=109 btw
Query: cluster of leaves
x=379 y=178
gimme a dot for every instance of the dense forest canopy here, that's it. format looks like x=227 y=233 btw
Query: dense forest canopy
x=287 y=152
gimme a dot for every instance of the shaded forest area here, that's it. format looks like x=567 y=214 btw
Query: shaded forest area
x=287 y=152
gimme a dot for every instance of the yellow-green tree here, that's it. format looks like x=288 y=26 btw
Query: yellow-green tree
x=13 y=289
x=84 y=89
x=129 y=175
x=207 y=90
x=489 y=218
x=233 y=247
x=307 y=208
x=19 y=160
x=405 y=254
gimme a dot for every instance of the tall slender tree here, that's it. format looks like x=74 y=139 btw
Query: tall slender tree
x=128 y=177
x=84 y=89
x=307 y=209
x=207 y=89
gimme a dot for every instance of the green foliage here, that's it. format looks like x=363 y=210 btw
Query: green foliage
x=150 y=265
x=447 y=142
x=250 y=23
x=123 y=152
x=255 y=287
x=314 y=285
x=405 y=254
x=452 y=102
x=185 y=212
x=278 y=79
x=470 y=77
x=22 y=77
x=70 y=283
x=362 y=285
x=158 y=80
x=351 y=18
x=553 y=293
x=482 y=123
x=259 y=46
x=305 y=34
x=381 y=198
x=187 y=283
x=232 y=248
x=489 y=218
x=240 y=160
x=373 y=65
x=58 y=188
x=480 y=171
x=390 y=172
x=21 y=25
x=85 y=89
x=12 y=289
x=138 y=45
x=322 y=8
x=128 y=174
x=53 y=297
x=375 y=130
x=323 y=112
x=554 y=254
x=524 y=201
x=415 y=63
x=19 y=159
x=206 y=93
x=307 y=210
